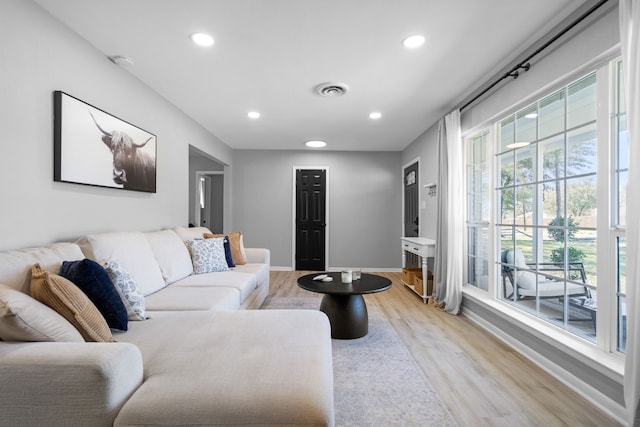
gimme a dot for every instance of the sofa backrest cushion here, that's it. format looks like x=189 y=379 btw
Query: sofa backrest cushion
x=23 y=318
x=129 y=249
x=15 y=265
x=191 y=233
x=171 y=254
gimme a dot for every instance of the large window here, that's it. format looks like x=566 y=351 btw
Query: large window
x=546 y=197
x=547 y=164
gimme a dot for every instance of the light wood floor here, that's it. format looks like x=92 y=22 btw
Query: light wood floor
x=483 y=381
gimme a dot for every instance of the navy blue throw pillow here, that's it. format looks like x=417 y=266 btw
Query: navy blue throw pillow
x=94 y=281
x=227 y=252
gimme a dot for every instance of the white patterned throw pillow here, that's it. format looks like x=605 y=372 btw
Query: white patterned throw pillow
x=128 y=289
x=207 y=255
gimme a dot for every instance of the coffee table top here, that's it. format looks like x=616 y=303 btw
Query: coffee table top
x=367 y=284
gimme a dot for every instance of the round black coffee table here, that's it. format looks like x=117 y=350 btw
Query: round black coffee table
x=343 y=302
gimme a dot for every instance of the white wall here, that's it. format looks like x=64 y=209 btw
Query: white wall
x=364 y=204
x=40 y=55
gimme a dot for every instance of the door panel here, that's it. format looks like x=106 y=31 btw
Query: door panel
x=411 y=209
x=310 y=219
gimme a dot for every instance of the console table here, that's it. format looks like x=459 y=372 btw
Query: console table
x=425 y=249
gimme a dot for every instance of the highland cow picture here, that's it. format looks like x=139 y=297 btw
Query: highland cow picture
x=93 y=147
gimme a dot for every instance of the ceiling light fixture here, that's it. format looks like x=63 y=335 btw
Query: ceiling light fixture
x=253 y=115
x=201 y=39
x=414 y=41
x=518 y=144
x=316 y=143
x=375 y=115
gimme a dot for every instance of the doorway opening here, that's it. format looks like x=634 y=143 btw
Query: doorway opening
x=208 y=191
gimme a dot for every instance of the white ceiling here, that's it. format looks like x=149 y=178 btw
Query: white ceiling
x=270 y=54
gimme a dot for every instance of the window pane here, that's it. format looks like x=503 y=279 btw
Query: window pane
x=581 y=102
x=478 y=259
x=506 y=133
x=524 y=205
x=552 y=157
x=621 y=293
x=525 y=164
x=623 y=180
x=553 y=202
x=581 y=201
x=551 y=115
x=526 y=125
x=507 y=169
x=507 y=206
x=581 y=150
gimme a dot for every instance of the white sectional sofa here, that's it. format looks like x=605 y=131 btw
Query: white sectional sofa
x=202 y=358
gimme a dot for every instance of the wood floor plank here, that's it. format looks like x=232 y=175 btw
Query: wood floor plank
x=482 y=380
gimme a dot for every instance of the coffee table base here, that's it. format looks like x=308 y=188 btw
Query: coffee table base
x=347 y=314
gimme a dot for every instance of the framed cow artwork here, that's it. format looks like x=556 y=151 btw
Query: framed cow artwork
x=93 y=147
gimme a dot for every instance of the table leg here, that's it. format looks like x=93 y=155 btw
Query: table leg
x=347 y=314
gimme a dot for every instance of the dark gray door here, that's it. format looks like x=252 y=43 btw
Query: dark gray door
x=411 y=201
x=411 y=209
x=310 y=219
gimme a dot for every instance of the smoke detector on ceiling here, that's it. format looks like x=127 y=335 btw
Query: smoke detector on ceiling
x=332 y=89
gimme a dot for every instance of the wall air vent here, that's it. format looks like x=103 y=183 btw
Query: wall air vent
x=332 y=89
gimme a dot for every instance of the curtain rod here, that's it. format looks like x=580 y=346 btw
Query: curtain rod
x=524 y=64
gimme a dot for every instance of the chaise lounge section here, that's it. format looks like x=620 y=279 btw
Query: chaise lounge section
x=202 y=357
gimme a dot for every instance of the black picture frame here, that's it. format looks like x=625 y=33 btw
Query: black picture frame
x=93 y=147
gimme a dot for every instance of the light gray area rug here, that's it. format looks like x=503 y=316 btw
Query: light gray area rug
x=376 y=380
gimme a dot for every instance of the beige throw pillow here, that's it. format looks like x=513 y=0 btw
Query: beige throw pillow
x=71 y=303
x=237 y=246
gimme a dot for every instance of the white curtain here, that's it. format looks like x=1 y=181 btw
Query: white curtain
x=630 y=41
x=449 y=259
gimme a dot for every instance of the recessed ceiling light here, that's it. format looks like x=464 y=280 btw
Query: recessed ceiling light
x=253 y=115
x=201 y=39
x=316 y=143
x=413 y=42
x=518 y=144
x=375 y=115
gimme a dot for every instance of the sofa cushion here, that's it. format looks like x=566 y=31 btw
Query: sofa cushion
x=70 y=302
x=207 y=255
x=237 y=246
x=246 y=283
x=184 y=298
x=248 y=367
x=15 y=265
x=128 y=290
x=132 y=251
x=171 y=253
x=23 y=318
x=191 y=233
x=93 y=280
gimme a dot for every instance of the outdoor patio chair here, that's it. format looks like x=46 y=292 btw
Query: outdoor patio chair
x=521 y=280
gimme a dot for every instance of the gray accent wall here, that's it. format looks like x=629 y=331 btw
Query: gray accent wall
x=363 y=205
x=41 y=55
